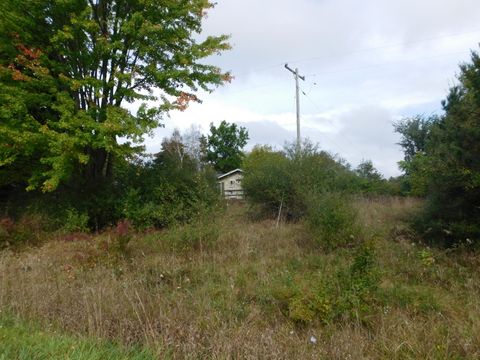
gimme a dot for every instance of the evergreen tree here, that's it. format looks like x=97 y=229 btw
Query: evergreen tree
x=451 y=163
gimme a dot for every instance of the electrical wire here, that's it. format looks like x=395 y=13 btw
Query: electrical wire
x=375 y=48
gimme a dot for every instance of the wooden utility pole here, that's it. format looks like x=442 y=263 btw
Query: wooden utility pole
x=297 y=97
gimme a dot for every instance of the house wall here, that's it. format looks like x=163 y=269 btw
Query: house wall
x=231 y=186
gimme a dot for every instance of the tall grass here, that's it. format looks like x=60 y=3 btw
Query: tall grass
x=236 y=290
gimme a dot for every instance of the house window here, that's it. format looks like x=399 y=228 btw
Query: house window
x=231 y=182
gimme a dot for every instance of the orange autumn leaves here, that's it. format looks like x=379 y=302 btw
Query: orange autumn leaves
x=27 y=61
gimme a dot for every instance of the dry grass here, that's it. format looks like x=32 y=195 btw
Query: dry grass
x=215 y=301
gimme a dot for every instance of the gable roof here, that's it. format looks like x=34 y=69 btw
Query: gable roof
x=219 y=177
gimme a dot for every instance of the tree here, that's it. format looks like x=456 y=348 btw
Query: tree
x=370 y=179
x=68 y=67
x=225 y=145
x=367 y=171
x=451 y=163
x=192 y=139
x=414 y=132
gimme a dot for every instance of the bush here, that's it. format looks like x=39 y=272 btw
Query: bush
x=287 y=179
x=165 y=192
x=347 y=292
x=75 y=221
x=332 y=219
x=26 y=231
x=267 y=181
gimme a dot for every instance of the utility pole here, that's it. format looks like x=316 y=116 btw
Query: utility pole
x=297 y=97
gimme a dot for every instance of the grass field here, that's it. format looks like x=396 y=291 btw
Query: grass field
x=231 y=286
x=24 y=342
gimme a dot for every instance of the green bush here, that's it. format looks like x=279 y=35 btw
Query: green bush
x=332 y=219
x=166 y=191
x=75 y=221
x=306 y=295
x=287 y=179
x=267 y=181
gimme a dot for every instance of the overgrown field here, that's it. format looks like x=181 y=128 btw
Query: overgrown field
x=229 y=286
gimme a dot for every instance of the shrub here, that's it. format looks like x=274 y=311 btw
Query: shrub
x=267 y=181
x=347 y=292
x=75 y=221
x=361 y=282
x=167 y=192
x=26 y=231
x=287 y=179
x=332 y=219
x=123 y=235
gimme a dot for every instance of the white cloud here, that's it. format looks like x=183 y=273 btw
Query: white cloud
x=367 y=64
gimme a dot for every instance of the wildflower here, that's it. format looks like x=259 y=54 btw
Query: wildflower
x=313 y=339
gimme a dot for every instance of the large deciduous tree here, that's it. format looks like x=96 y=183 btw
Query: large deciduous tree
x=225 y=146
x=68 y=68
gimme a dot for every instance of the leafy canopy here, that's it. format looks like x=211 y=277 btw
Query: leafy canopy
x=225 y=146
x=68 y=68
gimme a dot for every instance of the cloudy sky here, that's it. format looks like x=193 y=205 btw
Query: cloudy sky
x=367 y=63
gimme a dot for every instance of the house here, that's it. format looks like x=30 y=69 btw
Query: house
x=230 y=184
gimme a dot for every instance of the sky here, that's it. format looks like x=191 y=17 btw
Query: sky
x=367 y=64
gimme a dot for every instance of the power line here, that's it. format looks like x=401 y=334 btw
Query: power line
x=385 y=46
x=270 y=83
x=374 y=66
x=375 y=48
x=320 y=111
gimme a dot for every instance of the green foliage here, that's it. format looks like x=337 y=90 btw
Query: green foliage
x=447 y=171
x=273 y=179
x=225 y=145
x=414 y=132
x=332 y=219
x=165 y=191
x=67 y=68
x=417 y=175
x=371 y=181
x=75 y=221
x=173 y=187
x=326 y=295
x=267 y=180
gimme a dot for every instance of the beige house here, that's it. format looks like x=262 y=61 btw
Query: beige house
x=230 y=184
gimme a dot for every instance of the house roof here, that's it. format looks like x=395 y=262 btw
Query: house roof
x=229 y=173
